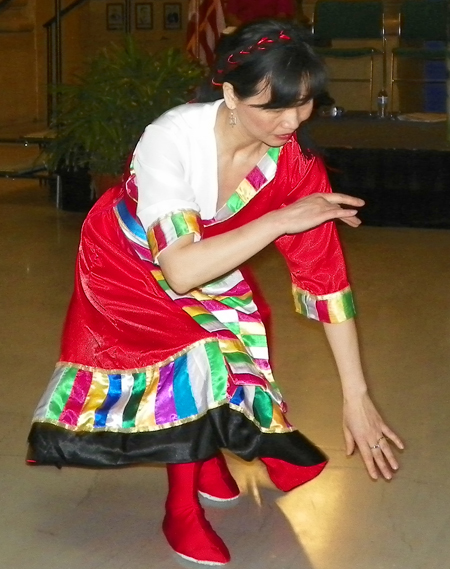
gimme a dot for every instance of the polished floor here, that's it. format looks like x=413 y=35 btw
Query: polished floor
x=85 y=519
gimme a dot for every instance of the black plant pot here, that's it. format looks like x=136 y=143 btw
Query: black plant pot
x=76 y=193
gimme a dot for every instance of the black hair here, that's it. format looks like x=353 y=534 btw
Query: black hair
x=284 y=62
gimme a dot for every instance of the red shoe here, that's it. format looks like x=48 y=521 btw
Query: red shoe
x=287 y=476
x=191 y=536
x=186 y=529
x=215 y=481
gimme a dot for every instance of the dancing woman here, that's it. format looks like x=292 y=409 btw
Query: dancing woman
x=164 y=353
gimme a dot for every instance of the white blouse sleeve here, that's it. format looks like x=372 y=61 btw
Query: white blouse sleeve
x=160 y=166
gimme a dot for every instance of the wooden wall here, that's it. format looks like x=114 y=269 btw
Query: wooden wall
x=23 y=61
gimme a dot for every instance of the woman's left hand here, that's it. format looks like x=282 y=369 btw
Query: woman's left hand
x=364 y=428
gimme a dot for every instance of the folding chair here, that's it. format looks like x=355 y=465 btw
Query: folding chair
x=420 y=21
x=351 y=20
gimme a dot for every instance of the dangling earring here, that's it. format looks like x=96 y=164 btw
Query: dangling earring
x=232 y=119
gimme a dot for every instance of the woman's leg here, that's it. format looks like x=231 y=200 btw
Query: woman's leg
x=185 y=526
x=215 y=480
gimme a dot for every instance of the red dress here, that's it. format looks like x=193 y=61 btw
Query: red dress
x=146 y=375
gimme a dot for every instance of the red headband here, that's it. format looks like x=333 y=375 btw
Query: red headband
x=236 y=58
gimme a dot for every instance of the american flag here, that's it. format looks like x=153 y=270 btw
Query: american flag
x=205 y=24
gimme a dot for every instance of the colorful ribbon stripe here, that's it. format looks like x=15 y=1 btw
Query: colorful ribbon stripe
x=258 y=178
x=336 y=307
x=172 y=227
x=169 y=394
x=230 y=368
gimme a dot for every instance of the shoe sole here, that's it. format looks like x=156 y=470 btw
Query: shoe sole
x=199 y=562
x=217 y=499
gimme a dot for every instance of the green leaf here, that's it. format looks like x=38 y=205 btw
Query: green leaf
x=101 y=116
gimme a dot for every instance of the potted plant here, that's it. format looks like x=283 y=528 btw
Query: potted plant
x=100 y=118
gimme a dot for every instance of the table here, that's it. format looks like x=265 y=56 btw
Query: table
x=401 y=169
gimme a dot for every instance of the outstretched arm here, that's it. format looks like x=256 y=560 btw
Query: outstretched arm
x=362 y=424
x=187 y=264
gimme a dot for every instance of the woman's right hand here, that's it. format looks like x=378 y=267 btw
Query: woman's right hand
x=315 y=209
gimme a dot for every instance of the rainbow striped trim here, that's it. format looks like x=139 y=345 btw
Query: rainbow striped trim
x=133 y=230
x=169 y=228
x=226 y=308
x=255 y=181
x=169 y=394
x=334 y=308
x=131 y=186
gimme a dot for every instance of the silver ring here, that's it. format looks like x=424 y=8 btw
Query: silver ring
x=374 y=447
x=380 y=439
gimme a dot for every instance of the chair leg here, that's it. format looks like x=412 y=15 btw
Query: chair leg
x=58 y=192
x=371 y=84
x=392 y=81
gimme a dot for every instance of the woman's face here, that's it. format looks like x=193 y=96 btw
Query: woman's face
x=273 y=127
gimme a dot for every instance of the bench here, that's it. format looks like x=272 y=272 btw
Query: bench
x=17 y=165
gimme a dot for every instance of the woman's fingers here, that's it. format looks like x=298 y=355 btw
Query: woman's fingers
x=368 y=460
x=386 y=450
x=375 y=462
x=391 y=436
x=347 y=216
x=318 y=208
x=349 y=442
x=353 y=221
x=381 y=454
x=344 y=199
x=373 y=438
x=385 y=460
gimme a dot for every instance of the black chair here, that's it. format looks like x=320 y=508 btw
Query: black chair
x=420 y=21
x=351 y=20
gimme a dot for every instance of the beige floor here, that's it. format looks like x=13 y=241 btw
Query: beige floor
x=86 y=519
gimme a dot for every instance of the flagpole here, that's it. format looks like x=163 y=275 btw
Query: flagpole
x=448 y=70
x=205 y=24
x=197 y=31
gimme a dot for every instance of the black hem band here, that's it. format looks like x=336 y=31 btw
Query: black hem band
x=199 y=440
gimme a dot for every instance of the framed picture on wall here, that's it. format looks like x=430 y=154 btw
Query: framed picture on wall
x=172 y=16
x=143 y=16
x=115 y=16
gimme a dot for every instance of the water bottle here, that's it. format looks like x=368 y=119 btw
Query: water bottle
x=382 y=104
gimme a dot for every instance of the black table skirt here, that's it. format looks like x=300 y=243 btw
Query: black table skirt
x=401 y=187
x=401 y=169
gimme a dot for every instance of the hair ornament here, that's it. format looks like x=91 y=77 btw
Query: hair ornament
x=263 y=41
x=236 y=58
x=230 y=61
